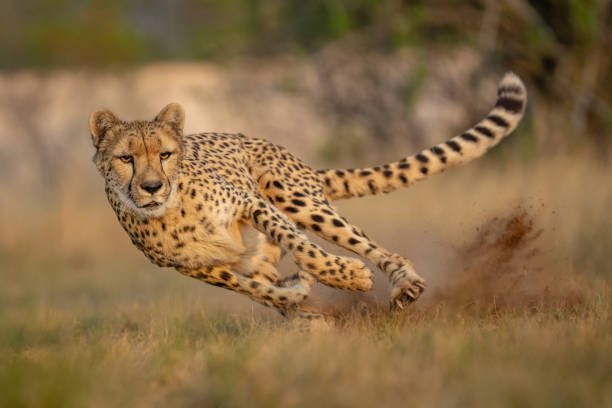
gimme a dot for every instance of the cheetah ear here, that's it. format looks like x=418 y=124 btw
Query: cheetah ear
x=173 y=114
x=99 y=122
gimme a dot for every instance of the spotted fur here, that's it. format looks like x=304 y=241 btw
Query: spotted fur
x=222 y=208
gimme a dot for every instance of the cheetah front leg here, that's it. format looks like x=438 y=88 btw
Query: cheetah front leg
x=406 y=284
x=285 y=299
x=331 y=270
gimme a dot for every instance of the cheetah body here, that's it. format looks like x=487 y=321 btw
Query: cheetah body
x=222 y=207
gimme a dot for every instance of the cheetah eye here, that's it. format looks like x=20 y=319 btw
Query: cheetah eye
x=126 y=158
x=164 y=155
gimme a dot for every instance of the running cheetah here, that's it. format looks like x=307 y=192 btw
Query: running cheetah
x=222 y=208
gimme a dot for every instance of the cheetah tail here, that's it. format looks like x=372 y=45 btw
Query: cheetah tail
x=499 y=123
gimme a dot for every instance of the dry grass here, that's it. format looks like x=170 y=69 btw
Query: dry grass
x=518 y=310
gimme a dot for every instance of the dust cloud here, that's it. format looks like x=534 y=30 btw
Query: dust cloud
x=504 y=265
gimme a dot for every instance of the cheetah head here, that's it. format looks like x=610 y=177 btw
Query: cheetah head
x=140 y=160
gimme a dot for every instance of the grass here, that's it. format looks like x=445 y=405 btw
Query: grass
x=171 y=352
x=518 y=311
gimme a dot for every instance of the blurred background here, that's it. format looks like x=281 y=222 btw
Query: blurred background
x=337 y=80
x=340 y=83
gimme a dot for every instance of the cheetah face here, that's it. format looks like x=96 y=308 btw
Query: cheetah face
x=140 y=160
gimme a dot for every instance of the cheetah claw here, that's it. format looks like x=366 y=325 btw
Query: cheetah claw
x=407 y=287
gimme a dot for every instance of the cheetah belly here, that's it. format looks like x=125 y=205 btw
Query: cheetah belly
x=191 y=248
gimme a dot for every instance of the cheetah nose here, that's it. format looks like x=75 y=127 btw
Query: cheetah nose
x=151 y=186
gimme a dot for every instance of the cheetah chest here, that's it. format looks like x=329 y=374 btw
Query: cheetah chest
x=177 y=240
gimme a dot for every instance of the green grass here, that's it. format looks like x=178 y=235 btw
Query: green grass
x=518 y=313
x=176 y=351
x=137 y=336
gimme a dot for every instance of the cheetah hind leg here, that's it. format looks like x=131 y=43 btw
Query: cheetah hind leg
x=299 y=318
x=262 y=265
x=285 y=299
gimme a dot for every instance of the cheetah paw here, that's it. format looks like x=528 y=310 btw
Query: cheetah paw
x=407 y=287
x=346 y=273
x=308 y=321
x=293 y=295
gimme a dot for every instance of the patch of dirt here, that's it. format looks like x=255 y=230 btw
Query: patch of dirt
x=506 y=266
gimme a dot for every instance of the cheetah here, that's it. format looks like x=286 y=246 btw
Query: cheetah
x=223 y=208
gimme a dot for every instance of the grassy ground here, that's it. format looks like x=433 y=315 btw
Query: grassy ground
x=518 y=311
